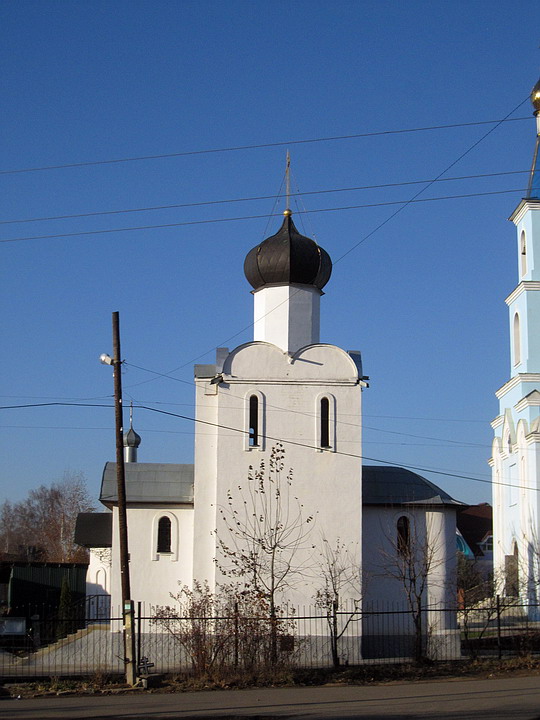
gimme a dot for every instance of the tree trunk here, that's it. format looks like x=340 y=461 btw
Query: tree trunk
x=334 y=635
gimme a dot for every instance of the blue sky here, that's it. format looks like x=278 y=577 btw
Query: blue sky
x=422 y=297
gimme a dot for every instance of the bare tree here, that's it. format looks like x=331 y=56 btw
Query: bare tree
x=221 y=632
x=264 y=528
x=199 y=624
x=339 y=571
x=42 y=526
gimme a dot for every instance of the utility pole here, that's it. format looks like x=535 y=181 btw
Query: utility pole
x=127 y=602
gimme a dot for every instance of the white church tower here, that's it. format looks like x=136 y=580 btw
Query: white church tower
x=285 y=387
x=515 y=457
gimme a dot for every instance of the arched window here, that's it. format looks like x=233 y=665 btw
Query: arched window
x=403 y=535
x=325 y=422
x=517 y=340
x=101 y=581
x=523 y=252
x=253 y=421
x=164 y=535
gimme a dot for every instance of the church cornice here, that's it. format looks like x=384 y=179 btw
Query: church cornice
x=497 y=422
x=530 y=400
x=523 y=286
x=533 y=437
x=517 y=380
x=285 y=381
x=525 y=205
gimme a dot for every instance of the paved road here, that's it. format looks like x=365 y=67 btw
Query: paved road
x=494 y=699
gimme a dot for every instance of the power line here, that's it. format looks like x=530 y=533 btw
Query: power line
x=391 y=216
x=226 y=201
x=362 y=425
x=188 y=432
x=268 y=437
x=237 y=148
x=338 y=452
x=423 y=190
x=404 y=203
x=414 y=199
x=192 y=404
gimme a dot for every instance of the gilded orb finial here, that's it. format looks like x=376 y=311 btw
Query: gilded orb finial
x=287 y=212
x=535 y=97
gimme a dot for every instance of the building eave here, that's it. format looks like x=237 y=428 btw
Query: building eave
x=525 y=205
x=515 y=381
x=523 y=286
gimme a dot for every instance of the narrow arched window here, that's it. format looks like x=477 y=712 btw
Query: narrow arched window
x=325 y=422
x=403 y=536
x=164 y=535
x=253 y=421
x=523 y=252
x=517 y=340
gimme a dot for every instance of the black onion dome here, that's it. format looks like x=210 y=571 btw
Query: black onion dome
x=288 y=257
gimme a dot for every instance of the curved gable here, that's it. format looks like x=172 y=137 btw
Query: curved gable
x=264 y=361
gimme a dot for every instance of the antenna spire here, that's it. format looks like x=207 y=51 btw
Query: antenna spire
x=288 y=185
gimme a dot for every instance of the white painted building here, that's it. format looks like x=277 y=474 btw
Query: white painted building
x=285 y=387
x=515 y=457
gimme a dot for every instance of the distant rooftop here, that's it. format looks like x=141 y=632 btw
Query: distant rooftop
x=94 y=529
x=389 y=485
x=162 y=483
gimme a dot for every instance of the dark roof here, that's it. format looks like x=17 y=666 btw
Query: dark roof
x=94 y=529
x=40 y=564
x=387 y=485
x=173 y=485
x=288 y=257
x=149 y=483
x=474 y=523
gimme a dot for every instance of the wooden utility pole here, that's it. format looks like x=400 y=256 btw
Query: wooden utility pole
x=127 y=602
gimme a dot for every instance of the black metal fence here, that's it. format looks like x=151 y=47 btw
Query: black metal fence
x=90 y=640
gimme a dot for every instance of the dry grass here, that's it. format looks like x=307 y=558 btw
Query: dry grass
x=101 y=683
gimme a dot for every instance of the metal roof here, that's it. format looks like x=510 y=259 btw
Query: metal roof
x=149 y=483
x=388 y=485
x=172 y=484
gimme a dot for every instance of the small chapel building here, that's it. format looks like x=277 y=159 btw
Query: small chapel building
x=515 y=459
x=289 y=391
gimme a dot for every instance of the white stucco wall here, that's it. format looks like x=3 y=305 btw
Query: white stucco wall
x=327 y=484
x=153 y=575
x=98 y=575
x=431 y=528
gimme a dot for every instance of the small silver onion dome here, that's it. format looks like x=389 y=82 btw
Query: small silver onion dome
x=132 y=439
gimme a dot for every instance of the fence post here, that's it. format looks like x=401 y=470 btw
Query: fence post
x=499 y=626
x=139 y=611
